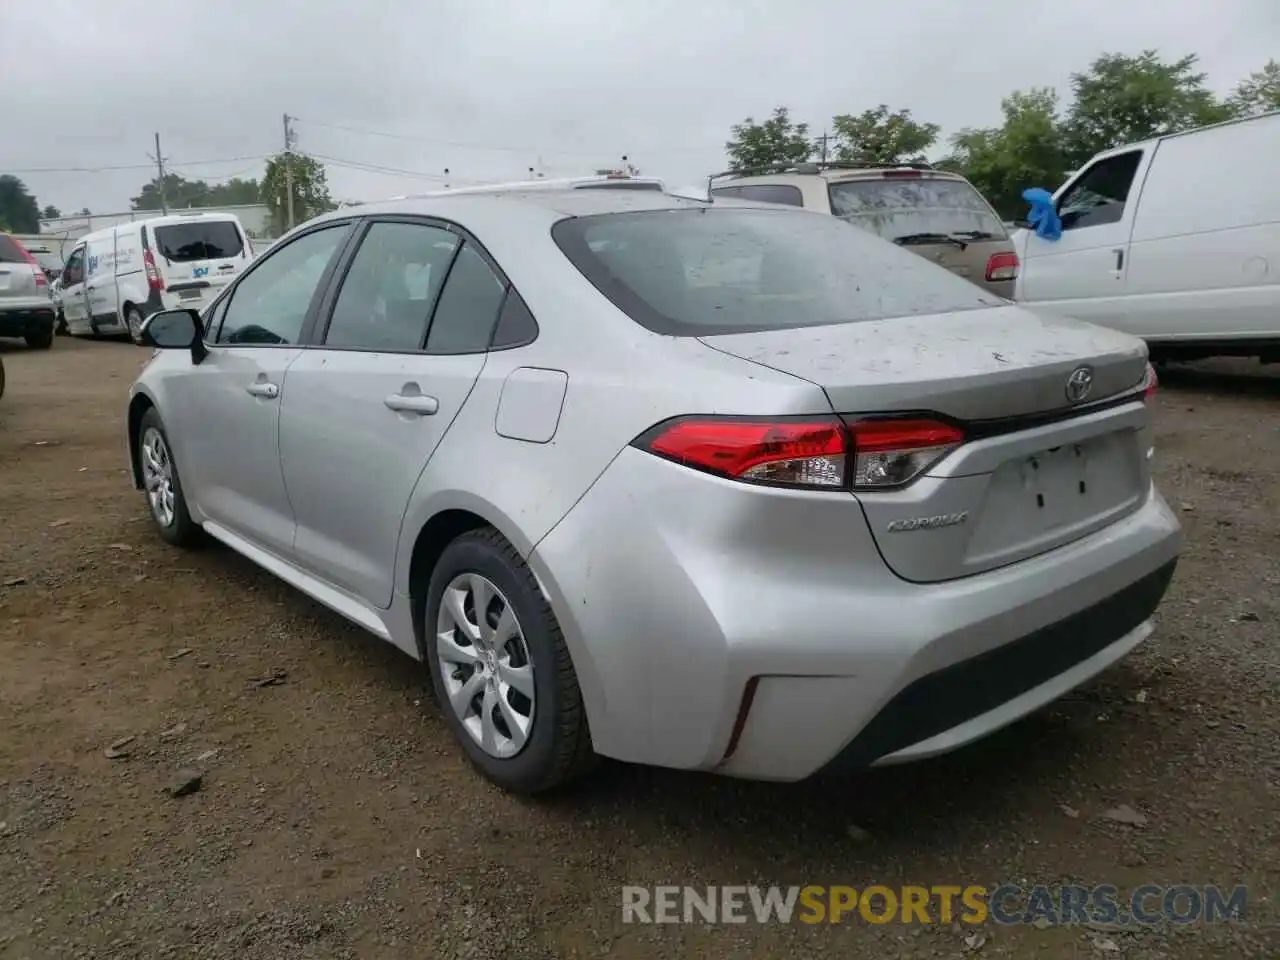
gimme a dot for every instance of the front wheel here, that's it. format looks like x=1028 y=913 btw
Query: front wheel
x=501 y=669
x=60 y=325
x=163 y=487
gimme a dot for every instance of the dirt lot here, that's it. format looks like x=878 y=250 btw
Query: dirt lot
x=336 y=818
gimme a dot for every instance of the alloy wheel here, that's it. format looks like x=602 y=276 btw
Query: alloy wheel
x=157 y=476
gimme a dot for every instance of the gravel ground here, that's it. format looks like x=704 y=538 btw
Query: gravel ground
x=335 y=818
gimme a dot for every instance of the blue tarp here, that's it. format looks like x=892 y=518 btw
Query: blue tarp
x=1043 y=217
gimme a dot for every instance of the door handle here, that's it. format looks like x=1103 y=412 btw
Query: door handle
x=268 y=390
x=420 y=404
x=91 y=287
x=1119 y=252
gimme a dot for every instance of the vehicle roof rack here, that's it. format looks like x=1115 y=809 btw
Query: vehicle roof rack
x=818 y=167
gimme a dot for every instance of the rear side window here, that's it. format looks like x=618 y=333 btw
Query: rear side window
x=201 y=240
x=784 y=193
x=10 y=250
x=1099 y=196
x=468 y=306
x=898 y=207
x=695 y=272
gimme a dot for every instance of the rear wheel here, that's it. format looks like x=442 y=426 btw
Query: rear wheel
x=161 y=483
x=133 y=322
x=501 y=669
x=1 y=376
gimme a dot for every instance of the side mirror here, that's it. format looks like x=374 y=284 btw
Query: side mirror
x=174 y=330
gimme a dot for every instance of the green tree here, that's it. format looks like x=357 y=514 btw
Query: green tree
x=1024 y=151
x=180 y=193
x=1122 y=99
x=1260 y=93
x=19 y=212
x=50 y=213
x=881 y=136
x=310 y=189
x=776 y=142
x=235 y=192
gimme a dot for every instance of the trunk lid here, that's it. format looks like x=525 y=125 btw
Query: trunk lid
x=1032 y=475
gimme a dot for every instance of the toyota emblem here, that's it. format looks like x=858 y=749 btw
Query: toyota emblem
x=1079 y=384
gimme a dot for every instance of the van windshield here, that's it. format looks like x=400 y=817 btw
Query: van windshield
x=907 y=207
x=205 y=240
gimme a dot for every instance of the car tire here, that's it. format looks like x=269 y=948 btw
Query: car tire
x=1 y=376
x=133 y=323
x=60 y=325
x=41 y=340
x=165 y=502
x=556 y=747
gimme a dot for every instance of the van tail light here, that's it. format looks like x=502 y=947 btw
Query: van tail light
x=814 y=453
x=1002 y=266
x=154 y=280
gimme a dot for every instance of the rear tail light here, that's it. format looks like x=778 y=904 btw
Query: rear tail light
x=1002 y=266
x=41 y=279
x=819 y=453
x=154 y=280
x=1149 y=384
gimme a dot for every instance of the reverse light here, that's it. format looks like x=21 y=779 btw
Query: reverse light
x=1002 y=266
x=811 y=453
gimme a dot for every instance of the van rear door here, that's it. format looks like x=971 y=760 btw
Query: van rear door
x=197 y=257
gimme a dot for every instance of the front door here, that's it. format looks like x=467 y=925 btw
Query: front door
x=230 y=402
x=1082 y=274
x=366 y=408
x=74 y=307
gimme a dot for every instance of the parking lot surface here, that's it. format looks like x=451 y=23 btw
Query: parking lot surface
x=335 y=818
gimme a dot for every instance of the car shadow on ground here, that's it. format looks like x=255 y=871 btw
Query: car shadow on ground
x=1235 y=378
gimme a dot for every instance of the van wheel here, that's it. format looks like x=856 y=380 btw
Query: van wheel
x=133 y=321
x=500 y=667
x=60 y=325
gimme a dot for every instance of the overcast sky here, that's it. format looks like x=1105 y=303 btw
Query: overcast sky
x=488 y=88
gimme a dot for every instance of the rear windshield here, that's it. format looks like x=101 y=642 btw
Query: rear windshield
x=696 y=272
x=210 y=240
x=896 y=208
x=10 y=252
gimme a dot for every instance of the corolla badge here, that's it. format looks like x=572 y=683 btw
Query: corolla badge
x=1079 y=384
x=908 y=524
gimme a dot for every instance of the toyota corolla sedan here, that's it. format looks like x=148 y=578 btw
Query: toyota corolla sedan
x=714 y=486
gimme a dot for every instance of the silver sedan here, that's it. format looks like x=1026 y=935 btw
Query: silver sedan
x=712 y=486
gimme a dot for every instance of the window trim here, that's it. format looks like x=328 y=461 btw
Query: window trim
x=316 y=296
x=318 y=326
x=1089 y=168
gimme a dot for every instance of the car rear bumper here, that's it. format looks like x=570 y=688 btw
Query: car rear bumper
x=757 y=632
x=22 y=321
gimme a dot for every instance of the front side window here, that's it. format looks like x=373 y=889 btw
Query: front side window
x=696 y=272
x=270 y=304
x=74 y=270
x=916 y=207
x=468 y=307
x=391 y=287
x=1099 y=196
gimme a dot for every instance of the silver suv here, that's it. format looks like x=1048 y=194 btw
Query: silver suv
x=939 y=215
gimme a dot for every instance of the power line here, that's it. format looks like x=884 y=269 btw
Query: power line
x=136 y=166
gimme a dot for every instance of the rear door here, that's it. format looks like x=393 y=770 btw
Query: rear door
x=943 y=219
x=197 y=257
x=1082 y=274
x=367 y=406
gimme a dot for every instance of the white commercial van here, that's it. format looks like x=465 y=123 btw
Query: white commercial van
x=117 y=277
x=1175 y=240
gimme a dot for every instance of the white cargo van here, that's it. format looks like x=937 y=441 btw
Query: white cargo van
x=1175 y=240
x=117 y=277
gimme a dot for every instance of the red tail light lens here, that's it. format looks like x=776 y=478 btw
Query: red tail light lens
x=154 y=280
x=41 y=279
x=1002 y=266
x=1149 y=384
x=812 y=453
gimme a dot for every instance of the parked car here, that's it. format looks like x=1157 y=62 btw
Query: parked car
x=936 y=214
x=730 y=487
x=26 y=309
x=115 y=278
x=1159 y=241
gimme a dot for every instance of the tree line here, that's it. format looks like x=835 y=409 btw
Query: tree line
x=21 y=213
x=1119 y=99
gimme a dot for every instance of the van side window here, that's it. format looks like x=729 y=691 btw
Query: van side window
x=1099 y=196
x=773 y=193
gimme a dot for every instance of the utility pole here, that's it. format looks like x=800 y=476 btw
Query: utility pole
x=822 y=141
x=288 y=168
x=159 y=159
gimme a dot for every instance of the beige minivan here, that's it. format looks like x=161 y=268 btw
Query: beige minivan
x=939 y=215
